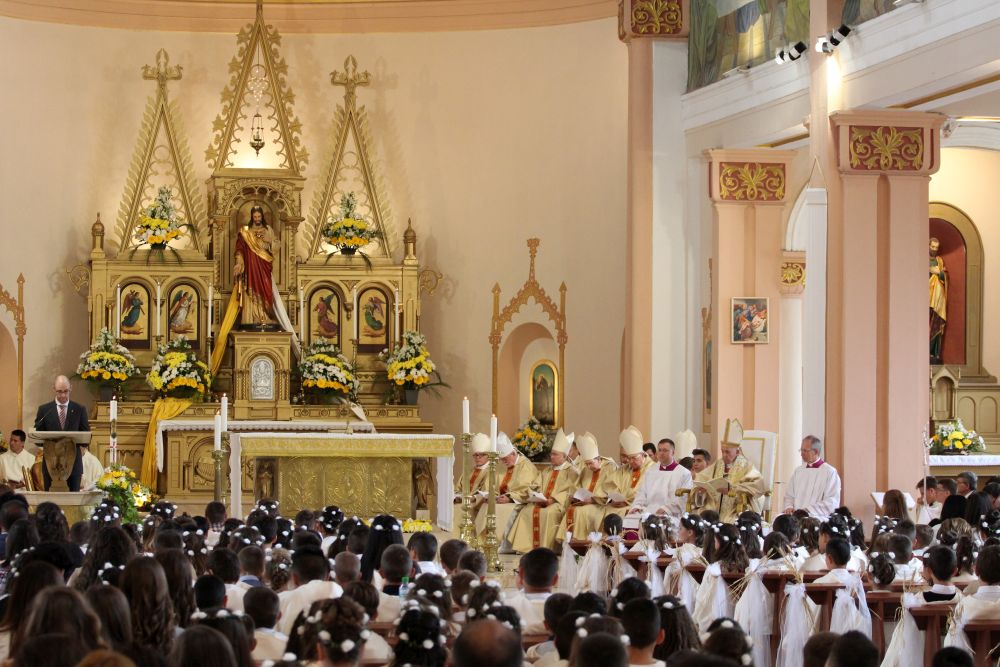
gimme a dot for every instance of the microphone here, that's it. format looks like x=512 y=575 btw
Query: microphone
x=42 y=418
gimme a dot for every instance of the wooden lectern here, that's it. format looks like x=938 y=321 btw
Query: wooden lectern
x=60 y=449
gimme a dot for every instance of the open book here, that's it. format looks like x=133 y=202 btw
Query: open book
x=717 y=485
x=583 y=495
x=537 y=497
x=615 y=497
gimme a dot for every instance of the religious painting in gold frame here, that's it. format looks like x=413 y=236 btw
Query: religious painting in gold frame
x=750 y=323
x=373 y=320
x=324 y=316
x=183 y=313
x=134 y=316
x=543 y=394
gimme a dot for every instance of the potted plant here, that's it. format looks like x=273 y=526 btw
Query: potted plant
x=349 y=232
x=159 y=224
x=107 y=364
x=178 y=373
x=532 y=440
x=409 y=367
x=327 y=374
x=953 y=438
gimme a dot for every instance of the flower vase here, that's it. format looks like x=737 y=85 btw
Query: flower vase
x=348 y=250
x=158 y=246
x=105 y=392
x=410 y=396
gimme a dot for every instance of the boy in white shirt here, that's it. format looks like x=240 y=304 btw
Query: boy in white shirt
x=261 y=605
x=423 y=547
x=988 y=571
x=538 y=573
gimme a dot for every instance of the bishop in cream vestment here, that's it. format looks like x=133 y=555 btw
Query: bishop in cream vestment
x=598 y=476
x=746 y=486
x=514 y=485
x=537 y=522
x=632 y=472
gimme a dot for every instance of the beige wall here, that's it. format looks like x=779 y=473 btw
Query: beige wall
x=967 y=180
x=486 y=138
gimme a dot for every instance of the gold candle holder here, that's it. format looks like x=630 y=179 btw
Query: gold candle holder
x=491 y=545
x=467 y=531
x=219 y=457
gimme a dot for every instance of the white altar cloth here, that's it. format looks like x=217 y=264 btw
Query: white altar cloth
x=969 y=461
x=443 y=473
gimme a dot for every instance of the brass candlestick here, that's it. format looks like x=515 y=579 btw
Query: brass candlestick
x=491 y=545
x=467 y=532
x=219 y=457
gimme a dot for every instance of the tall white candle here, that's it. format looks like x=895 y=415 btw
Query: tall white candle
x=302 y=316
x=493 y=433
x=396 y=323
x=113 y=409
x=118 y=311
x=465 y=415
x=211 y=296
x=357 y=312
x=225 y=412
x=158 y=319
x=217 y=433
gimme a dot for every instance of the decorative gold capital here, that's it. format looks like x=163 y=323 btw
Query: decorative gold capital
x=792 y=280
x=888 y=142
x=886 y=148
x=652 y=18
x=751 y=181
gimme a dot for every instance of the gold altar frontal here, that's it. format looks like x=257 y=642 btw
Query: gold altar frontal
x=365 y=475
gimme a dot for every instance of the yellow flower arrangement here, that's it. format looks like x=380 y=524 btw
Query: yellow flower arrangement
x=120 y=484
x=409 y=366
x=107 y=362
x=417 y=526
x=349 y=231
x=324 y=368
x=531 y=440
x=159 y=224
x=178 y=372
x=954 y=438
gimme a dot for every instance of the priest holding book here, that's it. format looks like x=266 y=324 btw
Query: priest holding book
x=732 y=484
x=815 y=486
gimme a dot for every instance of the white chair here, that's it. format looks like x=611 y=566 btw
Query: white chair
x=761 y=449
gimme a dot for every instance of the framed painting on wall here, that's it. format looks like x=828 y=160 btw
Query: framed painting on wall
x=183 y=308
x=750 y=320
x=134 y=314
x=324 y=316
x=543 y=395
x=373 y=320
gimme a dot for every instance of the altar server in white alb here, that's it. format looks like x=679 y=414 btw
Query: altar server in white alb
x=657 y=490
x=815 y=486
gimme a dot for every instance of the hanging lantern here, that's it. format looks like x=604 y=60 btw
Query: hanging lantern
x=256 y=133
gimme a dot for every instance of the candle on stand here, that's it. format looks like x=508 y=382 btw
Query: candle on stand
x=113 y=409
x=211 y=295
x=225 y=412
x=302 y=317
x=465 y=415
x=357 y=311
x=113 y=417
x=158 y=319
x=493 y=433
x=118 y=311
x=217 y=433
x=398 y=325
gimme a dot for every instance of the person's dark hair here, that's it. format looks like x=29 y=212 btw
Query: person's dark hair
x=817 y=649
x=195 y=550
x=504 y=614
x=247 y=536
x=992 y=490
x=13 y=509
x=953 y=507
x=29 y=583
x=556 y=606
x=977 y=505
x=343 y=531
x=209 y=592
x=252 y=561
x=853 y=649
x=948 y=484
x=396 y=563
x=835 y=526
x=969 y=477
x=225 y=564
x=422 y=628
x=330 y=518
x=941 y=561
x=787 y=525
x=600 y=649
x=364 y=593
x=79 y=533
x=111 y=607
x=474 y=561
x=109 y=545
x=696 y=525
x=266 y=525
x=987 y=565
x=278 y=569
x=641 y=621
x=565 y=632
x=449 y=553
x=649 y=448
x=894 y=504
x=52 y=649
x=22 y=535
x=906 y=528
x=838 y=551
x=167 y=539
x=283 y=531
x=385 y=532
x=62 y=610
x=776 y=546
x=51 y=523
x=423 y=545
x=656 y=528
x=357 y=540
x=881 y=568
x=263 y=217
x=613 y=524
x=730 y=552
x=462 y=582
x=481 y=599
x=809 y=533
x=487 y=644
x=731 y=643
x=232 y=627
x=952 y=656
x=929 y=482
x=686 y=462
x=202 y=646
x=215 y=512
x=18 y=433
x=965 y=555
x=164 y=509
x=902 y=548
x=924 y=536
x=346 y=567
x=589 y=603
x=632 y=588
x=432 y=589
x=750 y=537
x=539 y=567
x=704 y=453
x=340 y=630
x=145 y=585
x=679 y=630
x=179 y=582
x=309 y=564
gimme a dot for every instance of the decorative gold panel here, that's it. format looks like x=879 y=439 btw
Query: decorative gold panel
x=751 y=181
x=887 y=148
x=793 y=273
x=360 y=486
x=652 y=18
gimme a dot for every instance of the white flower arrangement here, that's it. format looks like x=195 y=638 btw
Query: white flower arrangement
x=159 y=225
x=349 y=231
x=107 y=362
x=177 y=371
x=324 y=367
x=409 y=365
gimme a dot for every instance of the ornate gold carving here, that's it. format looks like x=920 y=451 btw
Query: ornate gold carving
x=16 y=308
x=428 y=280
x=79 y=276
x=161 y=158
x=351 y=168
x=886 y=148
x=751 y=181
x=793 y=276
x=656 y=17
x=284 y=196
x=257 y=46
x=355 y=445
x=501 y=318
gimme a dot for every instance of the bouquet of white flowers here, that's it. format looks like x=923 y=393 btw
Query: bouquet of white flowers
x=178 y=372
x=323 y=368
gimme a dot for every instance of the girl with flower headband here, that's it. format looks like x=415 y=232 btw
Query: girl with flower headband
x=676 y=579
x=420 y=642
x=108 y=546
x=329 y=521
x=714 y=599
x=632 y=588
x=344 y=529
x=433 y=589
x=195 y=550
x=679 y=631
x=592 y=625
x=278 y=569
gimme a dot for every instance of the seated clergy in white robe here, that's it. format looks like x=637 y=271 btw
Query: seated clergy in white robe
x=657 y=490
x=14 y=460
x=815 y=486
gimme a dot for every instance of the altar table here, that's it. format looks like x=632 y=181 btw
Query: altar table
x=371 y=464
x=984 y=465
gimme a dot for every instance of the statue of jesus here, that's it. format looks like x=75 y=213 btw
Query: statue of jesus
x=252 y=268
x=938 y=284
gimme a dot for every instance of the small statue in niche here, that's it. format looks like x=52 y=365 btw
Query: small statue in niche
x=423 y=486
x=938 y=288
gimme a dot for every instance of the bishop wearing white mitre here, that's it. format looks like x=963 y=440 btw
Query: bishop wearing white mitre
x=815 y=486
x=657 y=490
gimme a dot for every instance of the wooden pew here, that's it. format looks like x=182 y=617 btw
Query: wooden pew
x=932 y=619
x=883 y=606
x=823 y=595
x=983 y=636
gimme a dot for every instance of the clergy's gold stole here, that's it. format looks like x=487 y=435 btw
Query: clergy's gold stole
x=472 y=480
x=572 y=509
x=536 y=511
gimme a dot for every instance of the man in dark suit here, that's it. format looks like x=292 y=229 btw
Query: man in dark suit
x=63 y=414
